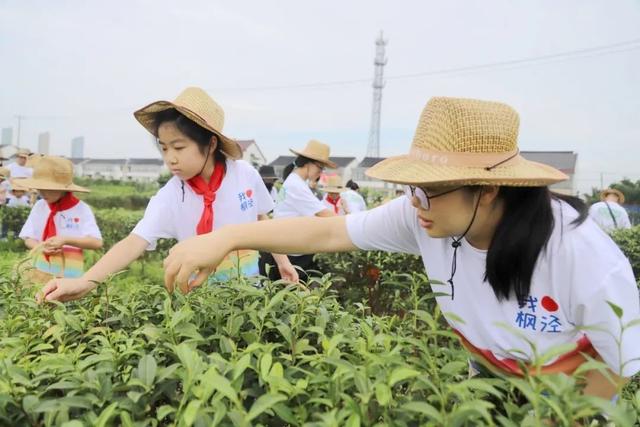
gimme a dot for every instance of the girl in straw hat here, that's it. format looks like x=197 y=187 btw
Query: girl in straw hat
x=522 y=270
x=608 y=213
x=19 y=196
x=297 y=200
x=59 y=223
x=332 y=200
x=209 y=190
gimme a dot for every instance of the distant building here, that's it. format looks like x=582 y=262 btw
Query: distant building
x=7 y=136
x=345 y=166
x=43 y=143
x=77 y=147
x=565 y=161
x=363 y=180
x=147 y=170
x=251 y=152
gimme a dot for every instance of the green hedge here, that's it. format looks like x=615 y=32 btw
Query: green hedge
x=629 y=242
x=233 y=355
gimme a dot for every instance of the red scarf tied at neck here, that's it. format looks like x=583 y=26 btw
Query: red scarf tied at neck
x=208 y=193
x=334 y=202
x=65 y=202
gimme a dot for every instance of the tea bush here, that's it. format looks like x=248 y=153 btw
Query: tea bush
x=238 y=355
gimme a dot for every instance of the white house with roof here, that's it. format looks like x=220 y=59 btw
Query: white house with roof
x=251 y=152
x=119 y=169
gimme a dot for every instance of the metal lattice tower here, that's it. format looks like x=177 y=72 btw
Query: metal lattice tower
x=373 y=149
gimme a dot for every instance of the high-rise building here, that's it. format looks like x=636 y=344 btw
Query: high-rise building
x=77 y=147
x=43 y=143
x=7 y=136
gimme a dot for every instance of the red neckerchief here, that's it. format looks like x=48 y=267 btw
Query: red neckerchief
x=334 y=202
x=208 y=193
x=65 y=202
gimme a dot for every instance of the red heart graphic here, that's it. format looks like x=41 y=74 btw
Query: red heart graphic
x=549 y=304
x=76 y=219
x=249 y=192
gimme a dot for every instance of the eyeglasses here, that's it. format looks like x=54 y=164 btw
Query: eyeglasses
x=423 y=195
x=321 y=166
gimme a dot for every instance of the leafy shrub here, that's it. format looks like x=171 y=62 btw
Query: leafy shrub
x=629 y=242
x=237 y=355
x=369 y=276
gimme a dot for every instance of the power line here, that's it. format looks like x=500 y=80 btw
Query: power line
x=625 y=46
x=609 y=49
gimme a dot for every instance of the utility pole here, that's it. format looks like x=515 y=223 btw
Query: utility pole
x=19 y=117
x=373 y=149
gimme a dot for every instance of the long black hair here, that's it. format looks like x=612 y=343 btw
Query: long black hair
x=521 y=236
x=299 y=162
x=200 y=135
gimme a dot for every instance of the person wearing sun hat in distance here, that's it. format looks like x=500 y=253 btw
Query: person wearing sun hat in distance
x=608 y=212
x=63 y=225
x=332 y=199
x=296 y=198
x=211 y=188
x=19 y=196
x=20 y=168
x=269 y=177
x=521 y=270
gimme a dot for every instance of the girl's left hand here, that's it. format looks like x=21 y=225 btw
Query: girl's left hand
x=54 y=243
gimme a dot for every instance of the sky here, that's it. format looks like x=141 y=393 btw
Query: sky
x=288 y=71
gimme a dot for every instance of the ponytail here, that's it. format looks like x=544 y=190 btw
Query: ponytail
x=299 y=162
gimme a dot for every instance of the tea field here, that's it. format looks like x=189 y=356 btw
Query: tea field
x=239 y=355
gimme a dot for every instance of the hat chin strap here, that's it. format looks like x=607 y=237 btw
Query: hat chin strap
x=457 y=243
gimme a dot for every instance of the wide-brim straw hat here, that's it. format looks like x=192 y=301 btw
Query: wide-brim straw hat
x=195 y=104
x=18 y=185
x=609 y=191
x=316 y=150
x=5 y=173
x=23 y=152
x=466 y=142
x=53 y=173
x=333 y=185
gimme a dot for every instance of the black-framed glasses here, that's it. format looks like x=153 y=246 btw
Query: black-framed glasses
x=423 y=195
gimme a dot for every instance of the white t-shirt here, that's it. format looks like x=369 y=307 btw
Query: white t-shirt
x=355 y=201
x=602 y=216
x=78 y=221
x=17 y=202
x=296 y=199
x=274 y=194
x=18 y=171
x=581 y=269
x=174 y=214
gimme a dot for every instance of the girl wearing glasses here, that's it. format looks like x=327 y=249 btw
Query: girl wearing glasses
x=524 y=270
x=297 y=200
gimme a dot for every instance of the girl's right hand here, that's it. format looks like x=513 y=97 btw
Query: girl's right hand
x=65 y=290
x=200 y=255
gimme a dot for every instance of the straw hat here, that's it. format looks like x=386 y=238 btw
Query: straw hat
x=333 y=185
x=33 y=160
x=268 y=173
x=195 y=104
x=316 y=150
x=17 y=184
x=609 y=191
x=5 y=173
x=53 y=173
x=23 y=152
x=466 y=142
